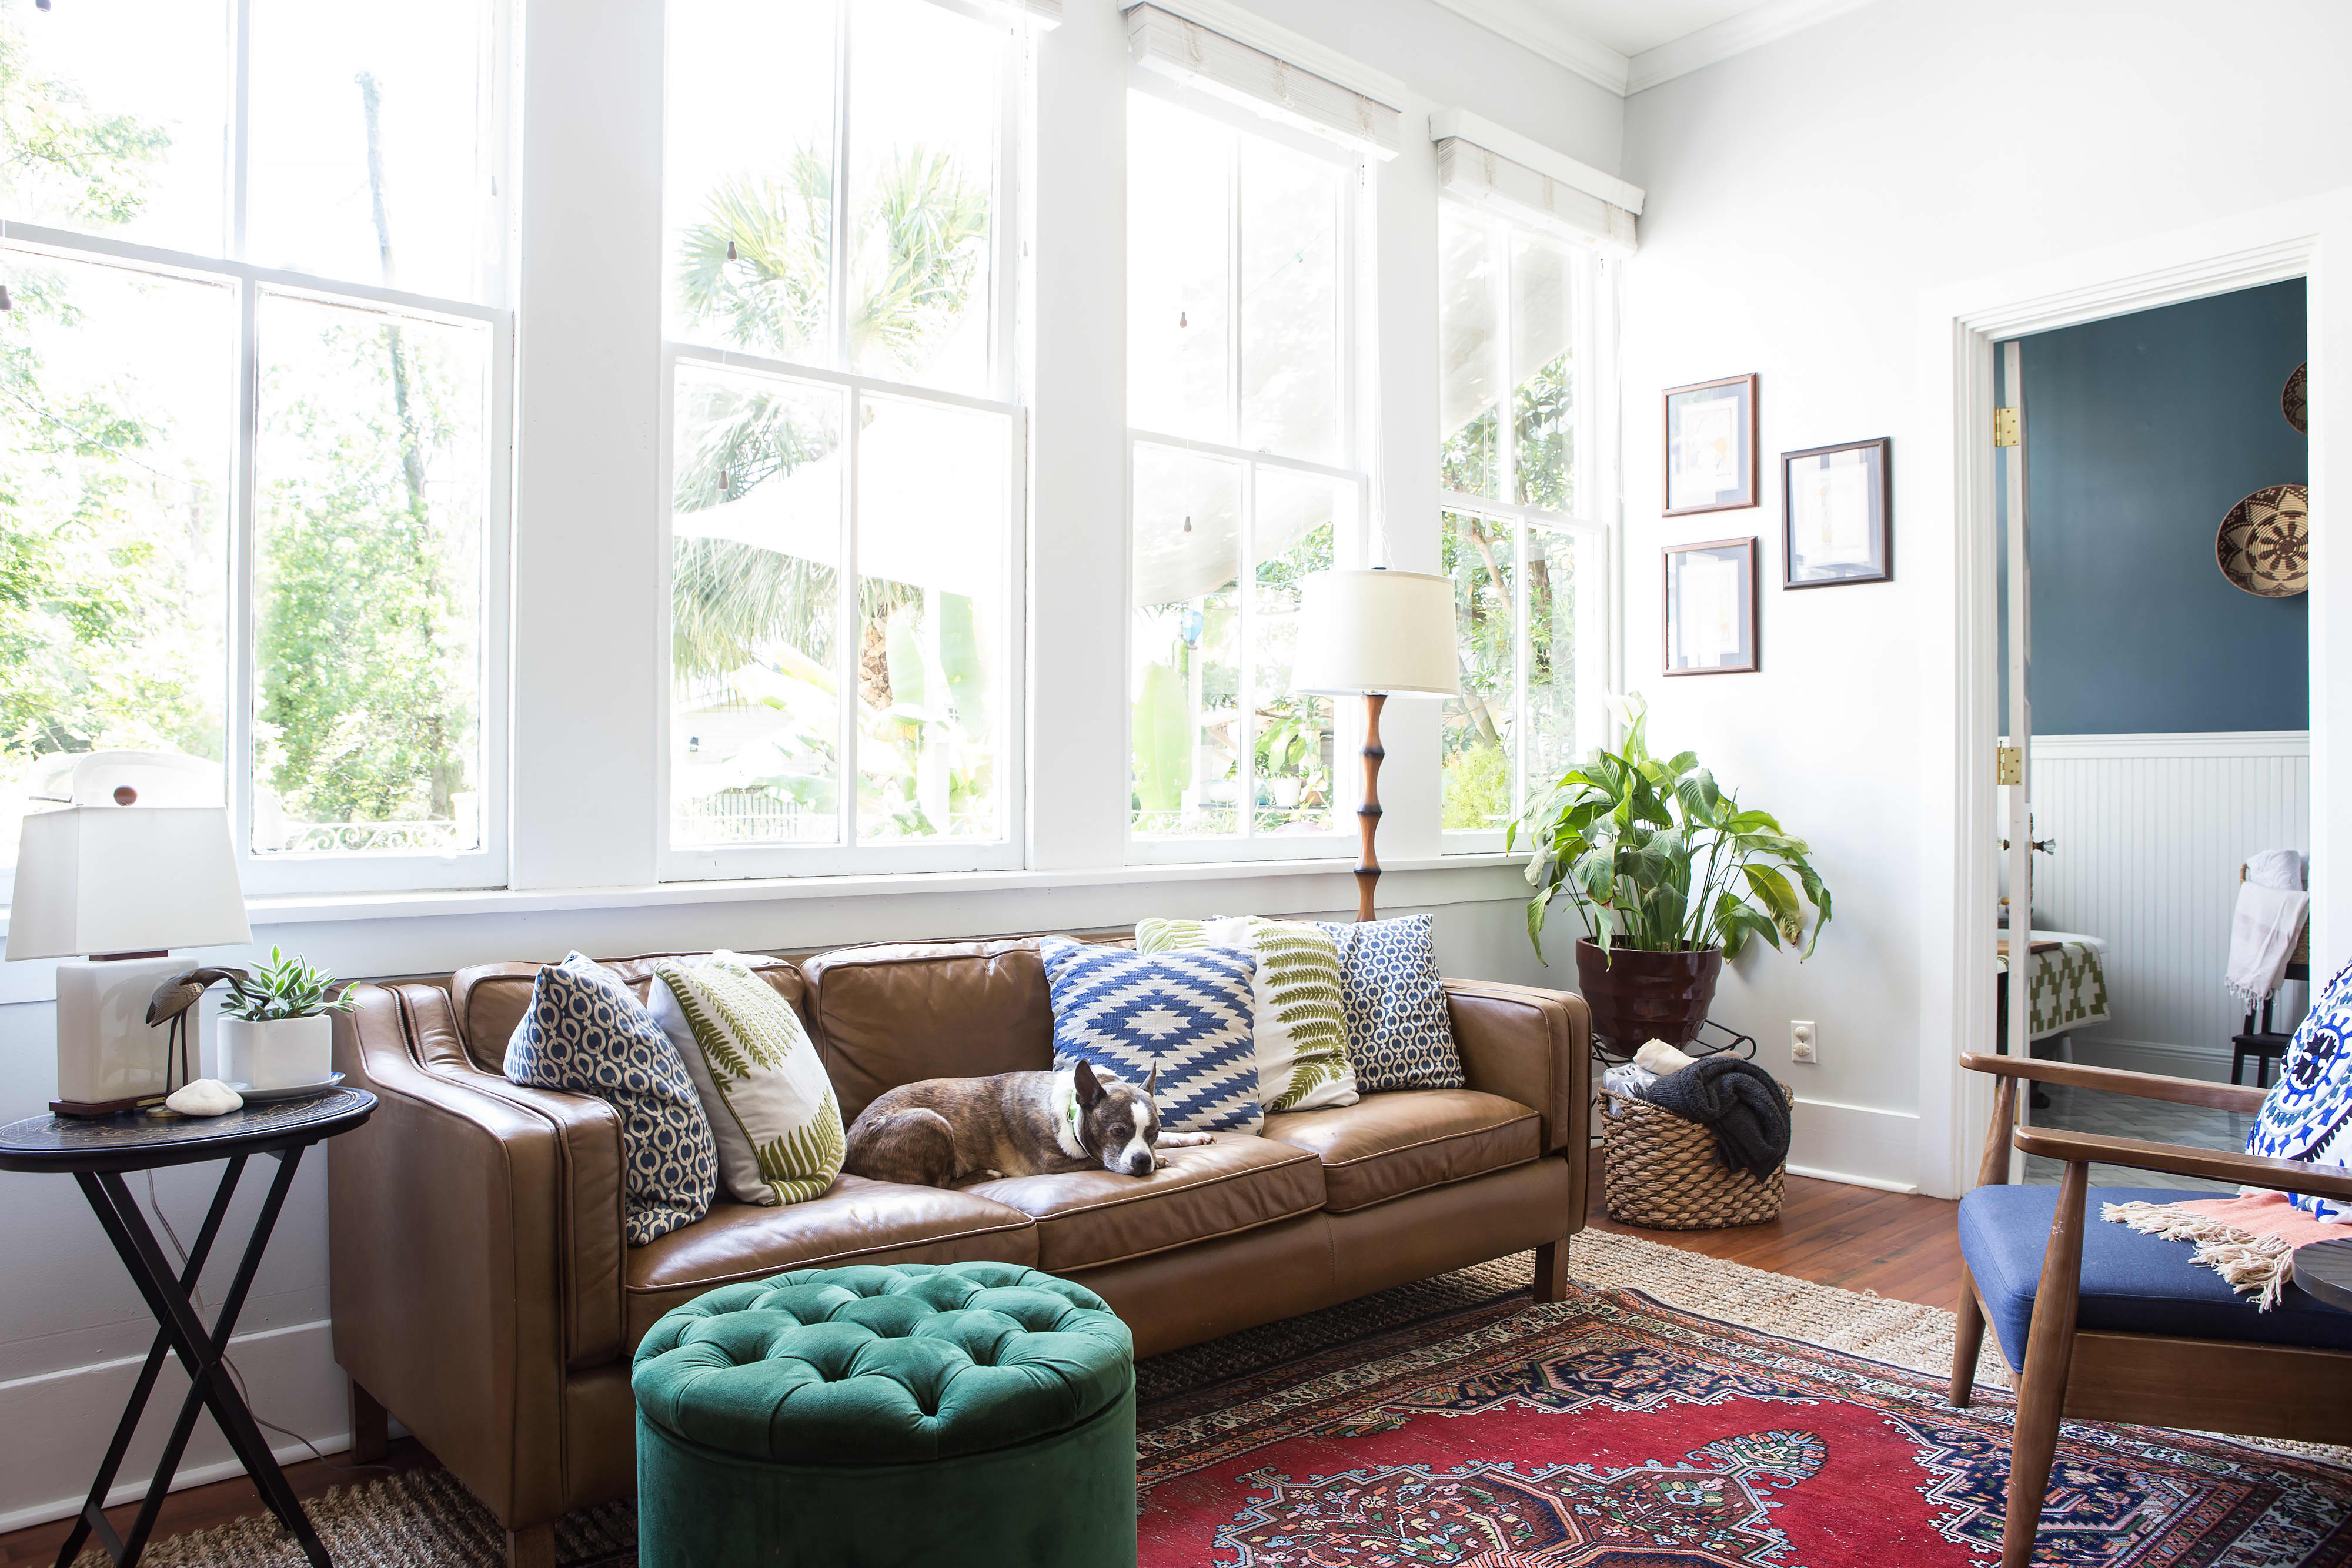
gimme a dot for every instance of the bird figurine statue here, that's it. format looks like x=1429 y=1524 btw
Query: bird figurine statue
x=170 y=1005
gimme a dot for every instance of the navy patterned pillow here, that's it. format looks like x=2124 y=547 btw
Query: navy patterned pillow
x=1400 y=1035
x=2307 y=1115
x=585 y=1033
x=1186 y=1013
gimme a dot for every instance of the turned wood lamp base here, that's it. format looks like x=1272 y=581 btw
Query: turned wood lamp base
x=1368 y=815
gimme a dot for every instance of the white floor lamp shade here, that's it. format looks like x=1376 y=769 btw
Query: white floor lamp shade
x=1379 y=633
x=126 y=883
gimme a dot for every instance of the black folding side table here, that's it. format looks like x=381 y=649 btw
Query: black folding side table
x=96 y=1153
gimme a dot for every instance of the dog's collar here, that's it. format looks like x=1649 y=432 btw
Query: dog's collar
x=1066 y=1135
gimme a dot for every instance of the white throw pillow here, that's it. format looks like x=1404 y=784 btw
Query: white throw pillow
x=1299 y=1021
x=769 y=1103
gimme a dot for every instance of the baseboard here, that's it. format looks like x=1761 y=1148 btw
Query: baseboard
x=290 y=1377
x=1857 y=1145
x=1849 y=1179
x=2153 y=1056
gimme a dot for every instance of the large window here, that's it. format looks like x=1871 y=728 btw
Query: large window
x=253 y=413
x=1245 y=478
x=847 y=452
x=1517 y=536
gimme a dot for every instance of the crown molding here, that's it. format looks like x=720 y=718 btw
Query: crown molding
x=1533 y=28
x=1732 y=36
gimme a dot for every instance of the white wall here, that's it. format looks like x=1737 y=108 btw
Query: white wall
x=71 y=1328
x=1806 y=202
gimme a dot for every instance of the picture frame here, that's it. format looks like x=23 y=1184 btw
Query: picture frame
x=1713 y=606
x=1837 y=515
x=1712 y=446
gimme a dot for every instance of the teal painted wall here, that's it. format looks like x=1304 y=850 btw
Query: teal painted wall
x=2141 y=432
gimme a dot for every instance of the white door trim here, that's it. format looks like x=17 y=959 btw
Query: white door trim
x=2311 y=239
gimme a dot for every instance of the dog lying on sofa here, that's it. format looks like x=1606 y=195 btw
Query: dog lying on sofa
x=939 y=1131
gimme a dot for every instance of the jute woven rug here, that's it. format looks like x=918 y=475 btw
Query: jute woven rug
x=425 y=1517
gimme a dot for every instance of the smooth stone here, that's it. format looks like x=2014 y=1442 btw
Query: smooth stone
x=205 y=1097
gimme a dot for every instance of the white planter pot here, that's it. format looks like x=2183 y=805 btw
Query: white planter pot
x=283 y=1053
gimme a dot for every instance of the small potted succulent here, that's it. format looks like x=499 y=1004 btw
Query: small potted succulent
x=274 y=1027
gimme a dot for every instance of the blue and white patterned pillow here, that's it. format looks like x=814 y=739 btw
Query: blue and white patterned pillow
x=2307 y=1115
x=1400 y=1035
x=1186 y=1013
x=585 y=1033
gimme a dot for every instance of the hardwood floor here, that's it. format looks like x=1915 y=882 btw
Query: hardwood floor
x=1898 y=1245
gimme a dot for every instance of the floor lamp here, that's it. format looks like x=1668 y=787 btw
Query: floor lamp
x=1375 y=635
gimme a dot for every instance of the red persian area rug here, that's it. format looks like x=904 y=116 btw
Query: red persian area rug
x=1609 y=1431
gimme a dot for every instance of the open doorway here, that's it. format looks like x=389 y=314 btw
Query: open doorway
x=2167 y=683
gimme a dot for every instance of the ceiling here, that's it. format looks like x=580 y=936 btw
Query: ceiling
x=1626 y=46
x=1630 y=26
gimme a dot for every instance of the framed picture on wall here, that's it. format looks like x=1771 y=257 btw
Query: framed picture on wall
x=1711 y=608
x=1837 y=515
x=1711 y=448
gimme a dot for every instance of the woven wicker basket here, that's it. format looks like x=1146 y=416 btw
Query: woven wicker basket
x=1660 y=1172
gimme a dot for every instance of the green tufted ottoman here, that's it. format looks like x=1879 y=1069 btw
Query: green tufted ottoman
x=964 y=1416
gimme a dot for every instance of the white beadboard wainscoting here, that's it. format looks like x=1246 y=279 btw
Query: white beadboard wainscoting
x=2150 y=830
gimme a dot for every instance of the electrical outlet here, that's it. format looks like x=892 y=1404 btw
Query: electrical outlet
x=1802 y=1041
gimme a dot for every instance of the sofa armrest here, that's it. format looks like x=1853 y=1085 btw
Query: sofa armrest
x=1532 y=1046
x=455 y=1279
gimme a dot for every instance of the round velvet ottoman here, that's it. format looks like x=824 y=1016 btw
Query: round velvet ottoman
x=957 y=1416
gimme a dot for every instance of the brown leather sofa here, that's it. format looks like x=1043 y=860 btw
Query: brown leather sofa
x=483 y=1295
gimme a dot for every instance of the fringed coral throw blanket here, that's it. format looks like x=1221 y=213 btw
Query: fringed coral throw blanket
x=2249 y=1241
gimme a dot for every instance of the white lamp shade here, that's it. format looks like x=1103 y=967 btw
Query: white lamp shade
x=125 y=879
x=1377 y=631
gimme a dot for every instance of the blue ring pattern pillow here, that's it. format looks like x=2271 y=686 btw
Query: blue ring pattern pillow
x=1187 y=1013
x=1399 y=1034
x=2307 y=1115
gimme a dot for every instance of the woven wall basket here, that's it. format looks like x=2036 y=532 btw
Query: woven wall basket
x=1660 y=1172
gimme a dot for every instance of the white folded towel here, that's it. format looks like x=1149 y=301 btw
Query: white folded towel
x=2262 y=938
x=2275 y=868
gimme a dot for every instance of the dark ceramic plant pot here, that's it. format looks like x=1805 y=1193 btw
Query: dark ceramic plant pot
x=1641 y=997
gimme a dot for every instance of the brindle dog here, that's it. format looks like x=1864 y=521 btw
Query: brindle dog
x=941 y=1131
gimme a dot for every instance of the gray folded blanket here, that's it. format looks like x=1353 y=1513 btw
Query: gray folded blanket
x=1738 y=1102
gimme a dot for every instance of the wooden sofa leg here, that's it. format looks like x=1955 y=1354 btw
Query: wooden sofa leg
x=2049 y=1351
x=370 y=1429
x=531 y=1547
x=1551 y=1271
x=1967 y=1339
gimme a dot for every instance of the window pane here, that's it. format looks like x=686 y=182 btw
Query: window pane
x=371 y=473
x=1469 y=379
x=1178 y=227
x=1185 y=772
x=1543 y=373
x=1477 y=554
x=933 y=495
x=749 y=163
x=1293 y=525
x=114 y=119
x=1555 y=738
x=922 y=160
x=1290 y=302
x=116 y=430
x=365 y=147
x=755 y=553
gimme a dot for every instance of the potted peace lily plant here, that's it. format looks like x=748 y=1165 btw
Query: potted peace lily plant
x=1670 y=876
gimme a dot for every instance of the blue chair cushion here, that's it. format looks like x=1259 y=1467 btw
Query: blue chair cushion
x=2131 y=1283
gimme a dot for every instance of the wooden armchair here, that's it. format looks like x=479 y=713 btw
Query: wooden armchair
x=2119 y=1327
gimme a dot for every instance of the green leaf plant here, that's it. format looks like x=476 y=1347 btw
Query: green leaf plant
x=1658 y=858
x=284 y=987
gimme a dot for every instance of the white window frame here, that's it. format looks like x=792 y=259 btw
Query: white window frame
x=1008 y=243
x=371 y=871
x=1350 y=537
x=1593 y=525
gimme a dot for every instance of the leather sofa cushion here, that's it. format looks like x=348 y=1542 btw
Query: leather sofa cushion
x=859 y=1221
x=489 y=999
x=888 y=1015
x=1092 y=1217
x=1388 y=1145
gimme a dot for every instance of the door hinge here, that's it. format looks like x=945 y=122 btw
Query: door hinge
x=2004 y=427
x=2009 y=766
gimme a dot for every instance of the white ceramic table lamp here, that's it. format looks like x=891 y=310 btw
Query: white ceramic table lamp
x=1375 y=634
x=122 y=884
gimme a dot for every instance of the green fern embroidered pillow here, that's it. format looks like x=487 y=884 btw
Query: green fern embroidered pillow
x=1301 y=1032
x=770 y=1102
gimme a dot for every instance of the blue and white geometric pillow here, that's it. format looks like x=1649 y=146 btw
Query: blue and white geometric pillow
x=583 y=1032
x=1400 y=1035
x=2307 y=1115
x=1187 y=1014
